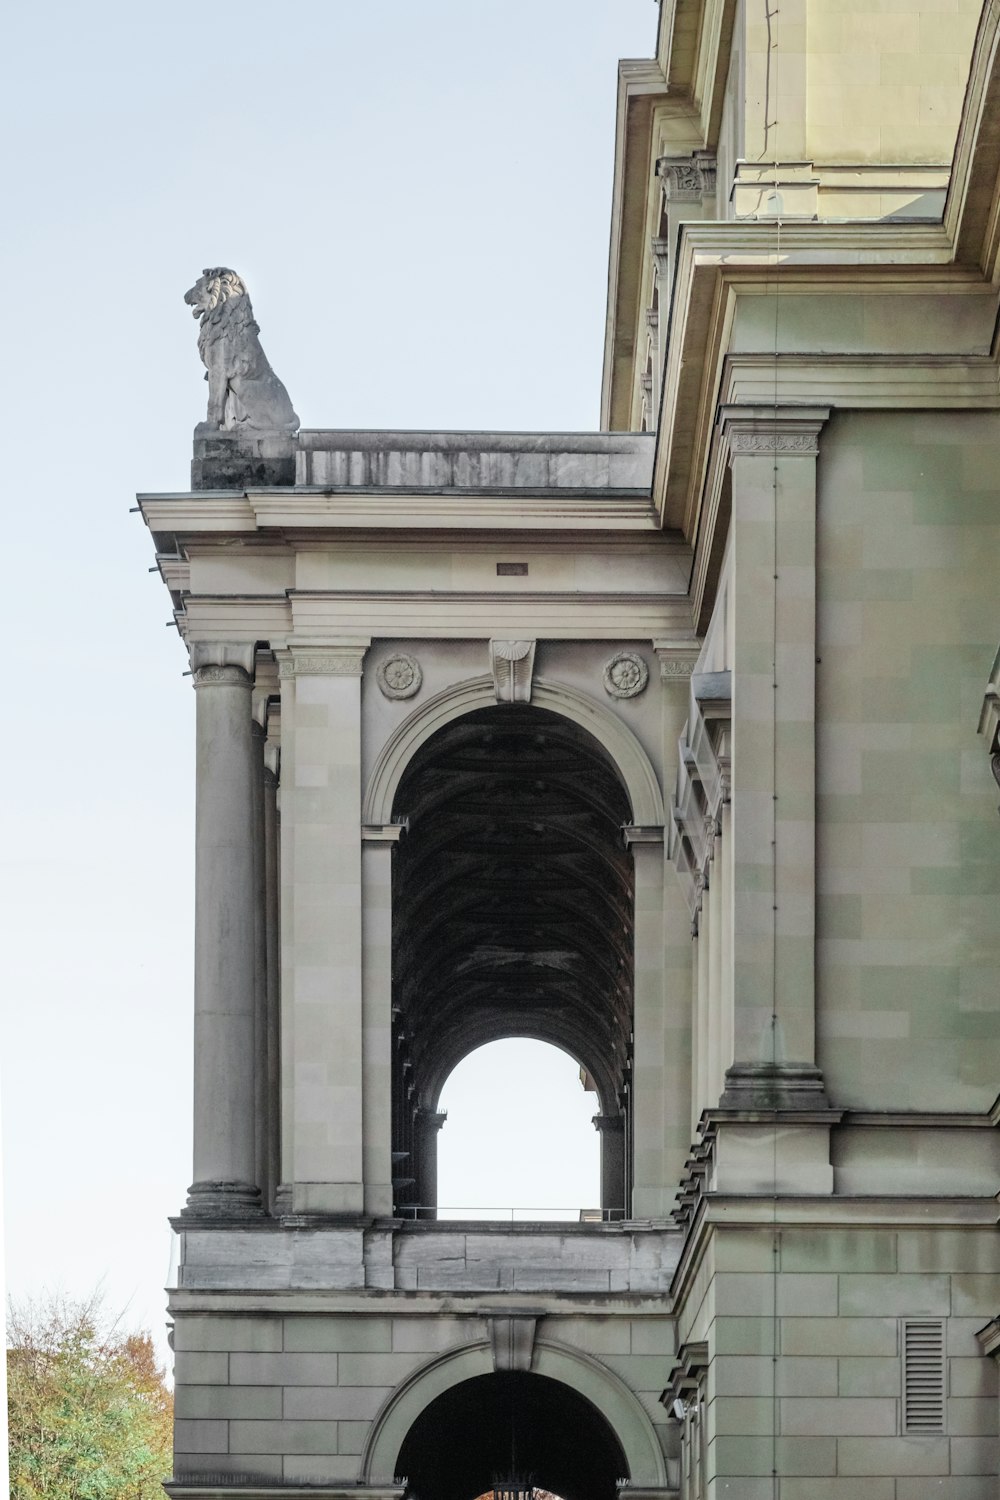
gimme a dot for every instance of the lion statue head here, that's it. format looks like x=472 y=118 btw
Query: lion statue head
x=214 y=285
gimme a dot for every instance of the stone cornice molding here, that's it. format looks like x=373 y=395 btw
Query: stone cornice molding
x=344 y=659
x=831 y=1212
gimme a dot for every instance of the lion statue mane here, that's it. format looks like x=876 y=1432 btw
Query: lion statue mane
x=243 y=390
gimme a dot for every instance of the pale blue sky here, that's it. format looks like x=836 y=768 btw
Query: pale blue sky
x=418 y=195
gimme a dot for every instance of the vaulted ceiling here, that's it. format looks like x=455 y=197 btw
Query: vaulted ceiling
x=512 y=903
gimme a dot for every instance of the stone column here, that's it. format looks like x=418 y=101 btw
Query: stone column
x=260 y=966
x=376 y=989
x=321 y=1002
x=224 y=1167
x=273 y=991
x=772 y=455
x=428 y=1128
x=611 y=1129
x=652 y=1178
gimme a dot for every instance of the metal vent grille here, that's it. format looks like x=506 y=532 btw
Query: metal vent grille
x=923 y=1375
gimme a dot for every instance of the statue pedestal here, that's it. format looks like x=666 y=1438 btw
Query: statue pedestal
x=239 y=459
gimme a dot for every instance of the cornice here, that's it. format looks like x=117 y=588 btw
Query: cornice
x=405 y=1303
x=862 y=381
x=717 y=263
x=305 y=510
x=717 y=1212
x=412 y=614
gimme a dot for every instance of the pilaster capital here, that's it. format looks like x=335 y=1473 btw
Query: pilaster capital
x=638 y=833
x=677 y=659
x=763 y=431
x=609 y=1124
x=335 y=659
x=384 y=833
x=687 y=178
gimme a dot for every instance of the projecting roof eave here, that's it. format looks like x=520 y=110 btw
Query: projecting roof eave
x=641 y=84
x=312 y=513
x=717 y=262
x=686 y=83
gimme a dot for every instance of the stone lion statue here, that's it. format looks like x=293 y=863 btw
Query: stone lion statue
x=243 y=390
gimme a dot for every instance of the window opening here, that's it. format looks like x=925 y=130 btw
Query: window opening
x=519 y=1141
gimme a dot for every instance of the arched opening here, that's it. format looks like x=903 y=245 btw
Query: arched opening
x=538 y=1158
x=512 y=917
x=511 y=1430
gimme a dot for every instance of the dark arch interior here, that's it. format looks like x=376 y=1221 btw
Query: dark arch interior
x=512 y=916
x=497 y=1427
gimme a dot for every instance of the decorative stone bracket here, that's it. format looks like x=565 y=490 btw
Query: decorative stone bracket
x=513 y=1342
x=512 y=664
x=989 y=719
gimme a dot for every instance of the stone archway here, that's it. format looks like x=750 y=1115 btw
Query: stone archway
x=620 y=745
x=590 y=1388
x=513 y=916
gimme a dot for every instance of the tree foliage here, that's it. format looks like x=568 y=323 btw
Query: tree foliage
x=90 y=1412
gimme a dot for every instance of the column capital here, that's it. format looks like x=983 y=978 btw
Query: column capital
x=222 y=654
x=214 y=675
x=760 y=431
x=336 y=659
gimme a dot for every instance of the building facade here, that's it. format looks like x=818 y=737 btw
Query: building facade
x=674 y=745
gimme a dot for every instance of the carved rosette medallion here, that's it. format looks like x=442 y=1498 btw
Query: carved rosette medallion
x=625 y=675
x=399 y=676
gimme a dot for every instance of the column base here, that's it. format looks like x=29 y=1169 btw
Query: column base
x=771 y=1086
x=223 y=1200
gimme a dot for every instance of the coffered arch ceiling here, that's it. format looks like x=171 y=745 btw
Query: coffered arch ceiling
x=512 y=898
